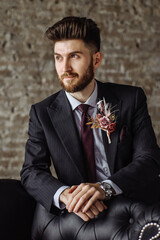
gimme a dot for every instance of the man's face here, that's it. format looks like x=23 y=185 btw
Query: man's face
x=74 y=65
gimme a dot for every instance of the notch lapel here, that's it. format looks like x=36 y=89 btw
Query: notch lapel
x=63 y=122
x=110 y=149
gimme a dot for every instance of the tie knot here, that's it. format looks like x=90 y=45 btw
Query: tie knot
x=83 y=107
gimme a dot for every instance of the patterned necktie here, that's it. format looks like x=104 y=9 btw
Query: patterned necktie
x=88 y=143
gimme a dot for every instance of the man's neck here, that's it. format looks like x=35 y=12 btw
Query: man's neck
x=83 y=95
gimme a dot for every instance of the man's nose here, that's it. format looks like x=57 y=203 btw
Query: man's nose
x=66 y=65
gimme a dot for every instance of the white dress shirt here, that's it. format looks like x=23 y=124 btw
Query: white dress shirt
x=102 y=168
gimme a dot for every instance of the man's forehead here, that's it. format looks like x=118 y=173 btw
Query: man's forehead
x=67 y=46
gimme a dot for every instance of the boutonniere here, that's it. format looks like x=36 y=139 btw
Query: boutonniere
x=105 y=119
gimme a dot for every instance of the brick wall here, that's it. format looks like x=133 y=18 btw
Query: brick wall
x=130 y=32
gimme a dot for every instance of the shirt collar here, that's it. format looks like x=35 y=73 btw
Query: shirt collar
x=92 y=100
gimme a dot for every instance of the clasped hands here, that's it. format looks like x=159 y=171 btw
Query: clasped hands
x=85 y=200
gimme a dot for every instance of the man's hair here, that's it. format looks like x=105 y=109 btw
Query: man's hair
x=76 y=28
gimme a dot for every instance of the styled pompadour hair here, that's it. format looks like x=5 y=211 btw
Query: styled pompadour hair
x=76 y=28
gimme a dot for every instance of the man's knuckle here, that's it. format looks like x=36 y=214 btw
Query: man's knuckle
x=86 y=187
x=93 y=189
x=83 y=198
x=82 y=185
x=76 y=198
x=97 y=193
x=84 y=217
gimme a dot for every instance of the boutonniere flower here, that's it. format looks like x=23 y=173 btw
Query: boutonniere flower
x=105 y=119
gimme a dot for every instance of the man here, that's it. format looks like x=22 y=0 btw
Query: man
x=125 y=158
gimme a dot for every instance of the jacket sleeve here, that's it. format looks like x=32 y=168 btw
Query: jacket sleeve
x=35 y=174
x=143 y=171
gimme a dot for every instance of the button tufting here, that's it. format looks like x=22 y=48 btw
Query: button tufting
x=131 y=221
x=62 y=212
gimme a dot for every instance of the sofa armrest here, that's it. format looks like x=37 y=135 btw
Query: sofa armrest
x=16 y=211
x=123 y=220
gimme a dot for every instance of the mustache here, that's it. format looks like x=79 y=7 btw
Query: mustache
x=69 y=74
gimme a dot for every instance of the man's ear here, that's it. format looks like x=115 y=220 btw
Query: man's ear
x=97 y=59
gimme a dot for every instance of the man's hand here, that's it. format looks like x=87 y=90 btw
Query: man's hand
x=85 y=200
x=84 y=194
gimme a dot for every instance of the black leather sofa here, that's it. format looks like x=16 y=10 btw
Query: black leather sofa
x=123 y=220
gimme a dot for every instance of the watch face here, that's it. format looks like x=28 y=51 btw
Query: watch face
x=106 y=186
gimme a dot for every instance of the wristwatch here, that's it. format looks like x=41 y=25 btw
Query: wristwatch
x=107 y=188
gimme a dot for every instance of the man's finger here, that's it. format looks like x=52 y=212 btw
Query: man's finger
x=78 y=201
x=82 y=198
x=79 y=192
x=72 y=189
x=90 y=214
x=83 y=216
x=94 y=210
x=92 y=200
x=100 y=206
x=76 y=189
x=105 y=207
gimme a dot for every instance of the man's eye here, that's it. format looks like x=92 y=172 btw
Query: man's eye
x=58 y=58
x=74 y=56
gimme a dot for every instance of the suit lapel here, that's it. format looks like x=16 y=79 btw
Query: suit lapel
x=110 y=149
x=62 y=119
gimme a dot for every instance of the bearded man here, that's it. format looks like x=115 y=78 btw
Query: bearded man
x=98 y=151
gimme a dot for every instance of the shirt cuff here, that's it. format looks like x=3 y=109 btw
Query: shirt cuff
x=114 y=186
x=56 y=196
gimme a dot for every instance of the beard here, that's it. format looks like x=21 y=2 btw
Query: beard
x=77 y=83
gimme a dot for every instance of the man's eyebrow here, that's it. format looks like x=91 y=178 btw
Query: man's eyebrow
x=74 y=52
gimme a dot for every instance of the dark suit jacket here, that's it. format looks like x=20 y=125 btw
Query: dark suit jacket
x=133 y=155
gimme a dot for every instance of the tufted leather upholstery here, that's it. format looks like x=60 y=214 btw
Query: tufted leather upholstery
x=124 y=219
